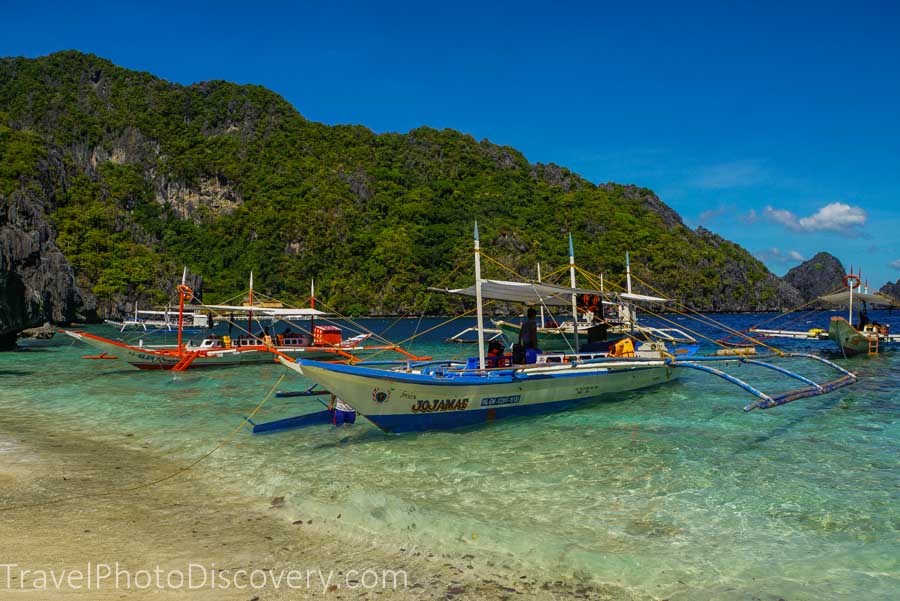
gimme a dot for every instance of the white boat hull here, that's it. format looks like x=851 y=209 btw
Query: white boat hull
x=403 y=402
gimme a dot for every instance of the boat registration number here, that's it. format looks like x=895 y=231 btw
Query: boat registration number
x=500 y=400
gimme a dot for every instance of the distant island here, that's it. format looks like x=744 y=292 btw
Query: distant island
x=111 y=180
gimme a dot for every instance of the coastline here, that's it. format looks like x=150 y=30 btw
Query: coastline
x=195 y=520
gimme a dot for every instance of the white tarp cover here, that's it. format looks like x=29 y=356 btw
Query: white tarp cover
x=843 y=298
x=643 y=297
x=532 y=293
x=275 y=312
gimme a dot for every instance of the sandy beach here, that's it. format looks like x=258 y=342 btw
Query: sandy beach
x=191 y=537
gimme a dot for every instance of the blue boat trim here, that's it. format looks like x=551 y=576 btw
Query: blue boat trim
x=460 y=378
x=418 y=422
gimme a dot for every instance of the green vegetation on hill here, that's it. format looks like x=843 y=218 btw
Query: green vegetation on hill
x=140 y=176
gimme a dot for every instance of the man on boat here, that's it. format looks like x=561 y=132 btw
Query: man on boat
x=528 y=336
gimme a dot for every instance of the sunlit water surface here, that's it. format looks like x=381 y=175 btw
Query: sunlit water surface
x=671 y=492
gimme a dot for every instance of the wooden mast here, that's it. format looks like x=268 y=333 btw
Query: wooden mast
x=181 y=293
x=542 y=304
x=480 y=323
x=574 y=297
x=250 y=313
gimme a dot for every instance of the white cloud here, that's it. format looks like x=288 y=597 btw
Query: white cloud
x=895 y=264
x=750 y=218
x=782 y=216
x=776 y=255
x=834 y=217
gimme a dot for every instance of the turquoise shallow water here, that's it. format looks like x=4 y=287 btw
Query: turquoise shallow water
x=672 y=492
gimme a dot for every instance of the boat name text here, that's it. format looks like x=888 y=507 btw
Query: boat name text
x=440 y=405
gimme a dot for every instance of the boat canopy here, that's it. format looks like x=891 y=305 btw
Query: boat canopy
x=843 y=298
x=533 y=293
x=270 y=311
x=643 y=297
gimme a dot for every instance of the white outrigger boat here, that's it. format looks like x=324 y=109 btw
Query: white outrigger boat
x=155 y=320
x=326 y=342
x=448 y=394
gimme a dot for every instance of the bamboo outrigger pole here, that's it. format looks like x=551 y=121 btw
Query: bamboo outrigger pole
x=478 y=300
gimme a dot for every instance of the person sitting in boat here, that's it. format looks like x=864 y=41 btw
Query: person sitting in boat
x=880 y=328
x=863 y=319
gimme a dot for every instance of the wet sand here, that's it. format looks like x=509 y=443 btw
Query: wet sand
x=196 y=519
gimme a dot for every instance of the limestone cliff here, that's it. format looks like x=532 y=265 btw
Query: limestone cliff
x=892 y=289
x=37 y=283
x=111 y=180
x=817 y=276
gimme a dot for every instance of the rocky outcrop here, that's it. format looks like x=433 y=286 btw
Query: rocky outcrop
x=741 y=286
x=210 y=197
x=817 y=276
x=556 y=176
x=648 y=200
x=43 y=332
x=37 y=284
x=892 y=289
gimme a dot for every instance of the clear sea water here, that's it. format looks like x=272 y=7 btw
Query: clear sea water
x=671 y=492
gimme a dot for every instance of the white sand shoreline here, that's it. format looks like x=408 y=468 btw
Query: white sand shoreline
x=190 y=520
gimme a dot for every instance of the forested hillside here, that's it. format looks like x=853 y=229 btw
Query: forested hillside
x=131 y=177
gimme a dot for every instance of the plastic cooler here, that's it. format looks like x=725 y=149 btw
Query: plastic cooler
x=326 y=336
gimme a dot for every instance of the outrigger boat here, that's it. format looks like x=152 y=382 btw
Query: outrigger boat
x=618 y=314
x=449 y=394
x=326 y=343
x=865 y=337
x=149 y=320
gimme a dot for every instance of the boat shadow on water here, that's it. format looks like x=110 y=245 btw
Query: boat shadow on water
x=793 y=423
x=15 y=372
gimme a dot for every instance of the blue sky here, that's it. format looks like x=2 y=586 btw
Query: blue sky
x=777 y=126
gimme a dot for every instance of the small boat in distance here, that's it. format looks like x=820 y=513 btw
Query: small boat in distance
x=164 y=320
x=320 y=341
x=156 y=320
x=863 y=338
